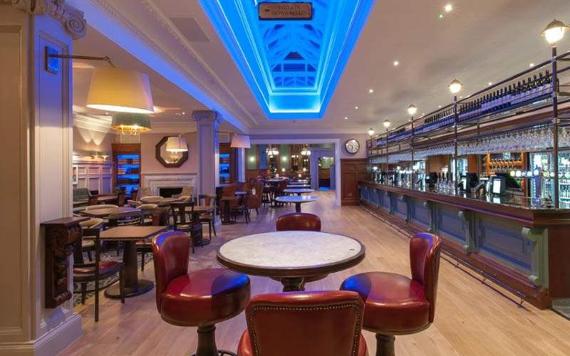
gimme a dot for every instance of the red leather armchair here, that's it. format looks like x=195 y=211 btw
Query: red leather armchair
x=304 y=324
x=396 y=304
x=198 y=299
x=298 y=221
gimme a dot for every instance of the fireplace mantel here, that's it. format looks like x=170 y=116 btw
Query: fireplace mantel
x=155 y=181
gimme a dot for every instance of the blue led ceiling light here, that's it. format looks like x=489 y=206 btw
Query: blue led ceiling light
x=291 y=66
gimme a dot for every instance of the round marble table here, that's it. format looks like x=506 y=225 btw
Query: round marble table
x=297 y=191
x=291 y=256
x=297 y=200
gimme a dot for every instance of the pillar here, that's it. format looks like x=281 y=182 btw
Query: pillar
x=207 y=124
x=35 y=185
x=241 y=163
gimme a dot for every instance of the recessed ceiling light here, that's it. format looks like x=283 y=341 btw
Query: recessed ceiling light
x=490 y=83
x=396 y=63
x=356 y=108
x=531 y=65
x=346 y=117
x=439 y=106
x=370 y=91
x=448 y=8
x=440 y=16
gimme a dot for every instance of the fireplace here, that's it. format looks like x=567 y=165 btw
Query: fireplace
x=168 y=192
x=163 y=183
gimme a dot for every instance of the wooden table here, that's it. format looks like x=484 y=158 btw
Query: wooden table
x=226 y=216
x=291 y=256
x=129 y=235
x=297 y=200
x=297 y=191
x=106 y=212
x=106 y=198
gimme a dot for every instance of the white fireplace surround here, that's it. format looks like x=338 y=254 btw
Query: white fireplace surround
x=155 y=181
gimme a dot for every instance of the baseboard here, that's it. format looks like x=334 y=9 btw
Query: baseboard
x=49 y=344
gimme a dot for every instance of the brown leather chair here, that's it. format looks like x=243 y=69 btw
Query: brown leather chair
x=298 y=221
x=396 y=304
x=197 y=299
x=304 y=324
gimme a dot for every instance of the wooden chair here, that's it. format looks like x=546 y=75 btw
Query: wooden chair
x=242 y=209
x=84 y=273
x=208 y=218
x=160 y=217
x=298 y=221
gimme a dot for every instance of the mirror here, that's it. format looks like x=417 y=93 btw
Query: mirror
x=172 y=151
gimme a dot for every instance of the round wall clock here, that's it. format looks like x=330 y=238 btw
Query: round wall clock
x=352 y=146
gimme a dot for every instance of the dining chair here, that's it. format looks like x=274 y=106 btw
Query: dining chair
x=200 y=298
x=208 y=218
x=304 y=324
x=84 y=273
x=88 y=244
x=298 y=221
x=396 y=304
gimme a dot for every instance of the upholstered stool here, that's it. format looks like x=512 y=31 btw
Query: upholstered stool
x=199 y=299
x=304 y=324
x=298 y=221
x=398 y=305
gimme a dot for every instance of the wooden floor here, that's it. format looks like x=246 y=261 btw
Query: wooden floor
x=471 y=319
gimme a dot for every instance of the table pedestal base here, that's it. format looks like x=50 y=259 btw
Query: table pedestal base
x=293 y=284
x=142 y=287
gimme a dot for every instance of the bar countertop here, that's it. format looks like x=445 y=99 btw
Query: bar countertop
x=533 y=212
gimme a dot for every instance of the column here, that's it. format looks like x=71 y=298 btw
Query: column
x=207 y=124
x=241 y=162
x=35 y=185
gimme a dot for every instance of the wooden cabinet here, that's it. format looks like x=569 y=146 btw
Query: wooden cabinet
x=352 y=171
x=228 y=164
x=127 y=167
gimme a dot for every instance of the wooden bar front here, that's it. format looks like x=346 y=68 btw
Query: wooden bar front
x=525 y=250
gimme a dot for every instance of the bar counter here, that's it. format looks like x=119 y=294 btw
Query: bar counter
x=513 y=241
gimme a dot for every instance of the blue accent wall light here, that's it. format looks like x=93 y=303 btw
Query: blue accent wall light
x=291 y=66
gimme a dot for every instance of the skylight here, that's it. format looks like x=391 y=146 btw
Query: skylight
x=291 y=66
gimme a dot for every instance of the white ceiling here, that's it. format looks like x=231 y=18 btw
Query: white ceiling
x=479 y=42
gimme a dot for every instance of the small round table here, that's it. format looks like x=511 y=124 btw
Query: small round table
x=297 y=200
x=291 y=256
x=297 y=191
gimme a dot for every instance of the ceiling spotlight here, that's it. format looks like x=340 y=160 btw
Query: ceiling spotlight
x=490 y=83
x=531 y=65
x=448 y=8
x=371 y=132
x=387 y=124
x=455 y=86
x=412 y=110
x=356 y=108
x=396 y=63
x=440 y=16
x=554 y=32
x=370 y=91
x=346 y=117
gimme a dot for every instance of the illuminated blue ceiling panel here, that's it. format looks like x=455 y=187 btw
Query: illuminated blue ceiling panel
x=291 y=66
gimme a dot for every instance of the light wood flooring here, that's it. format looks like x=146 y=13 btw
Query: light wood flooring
x=471 y=319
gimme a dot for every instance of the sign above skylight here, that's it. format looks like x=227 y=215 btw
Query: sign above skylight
x=292 y=66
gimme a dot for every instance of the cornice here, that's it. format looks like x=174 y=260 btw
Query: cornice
x=72 y=19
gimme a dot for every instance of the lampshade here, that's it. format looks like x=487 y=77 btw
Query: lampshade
x=387 y=124
x=120 y=90
x=371 y=132
x=240 y=141
x=131 y=123
x=176 y=144
x=412 y=110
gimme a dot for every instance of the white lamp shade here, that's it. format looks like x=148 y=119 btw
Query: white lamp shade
x=412 y=110
x=455 y=86
x=120 y=90
x=176 y=144
x=240 y=141
x=554 y=32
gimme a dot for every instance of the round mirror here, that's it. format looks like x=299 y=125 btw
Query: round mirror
x=172 y=151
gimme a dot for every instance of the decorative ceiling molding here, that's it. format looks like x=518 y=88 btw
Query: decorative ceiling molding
x=155 y=30
x=71 y=18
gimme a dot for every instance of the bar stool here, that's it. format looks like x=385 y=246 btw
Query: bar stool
x=298 y=221
x=304 y=324
x=197 y=299
x=396 y=304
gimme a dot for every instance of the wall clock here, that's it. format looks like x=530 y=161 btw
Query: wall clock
x=352 y=146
